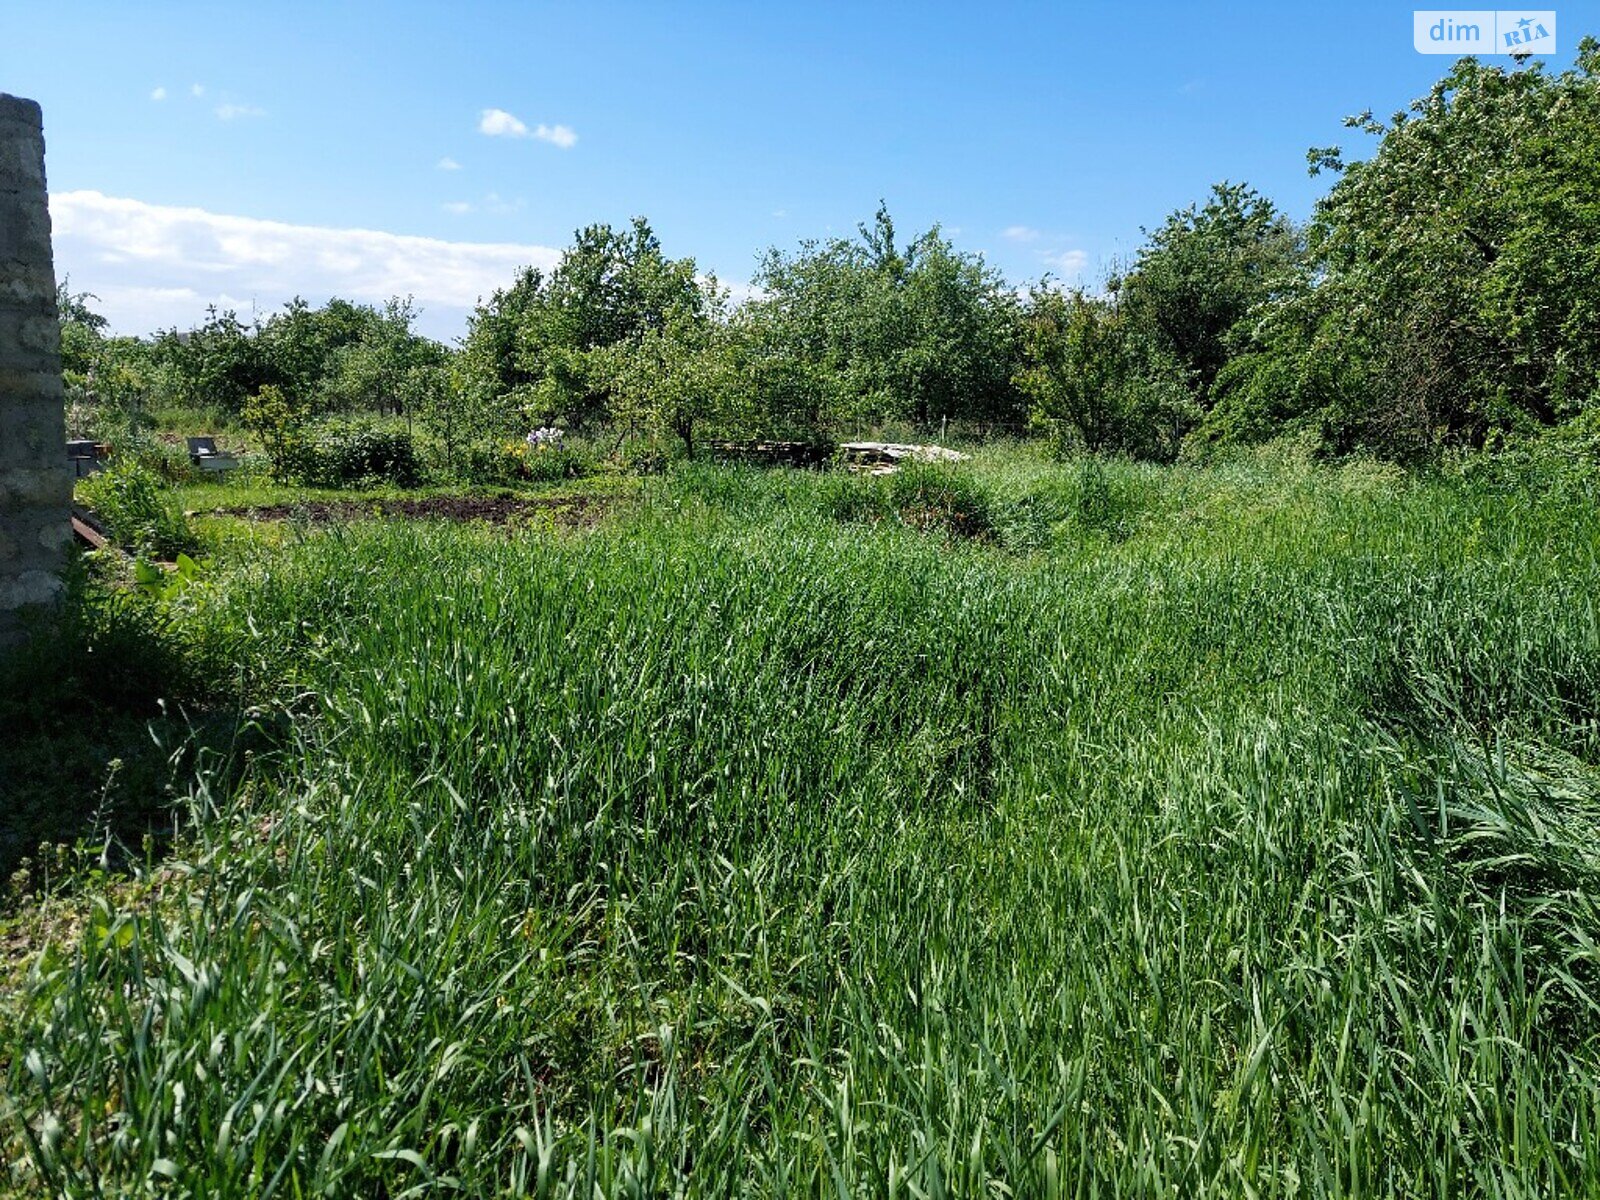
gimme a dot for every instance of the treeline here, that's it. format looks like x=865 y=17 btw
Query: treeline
x=1444 y=294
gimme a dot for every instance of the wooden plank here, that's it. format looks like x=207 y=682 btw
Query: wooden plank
x=87 y=534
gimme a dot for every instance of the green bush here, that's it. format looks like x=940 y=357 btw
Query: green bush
x=846 y=498
x=511 y=463
x=926 y=497
x=280 y=422
x=552 y=464
x=137 y=511
x=940 y=499
x=168 y=460
x=345 y=454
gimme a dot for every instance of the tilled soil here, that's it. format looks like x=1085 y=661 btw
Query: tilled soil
x=573 y=511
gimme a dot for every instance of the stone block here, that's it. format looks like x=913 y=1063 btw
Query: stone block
x=54 y=536
x=26 y=284
x=23 y=388
x=24 y=230
x=30 y=587
x=35 y=478
x=20 y=111
x=32 y=434
x=31 y=339
x=37 y=486
x=22 y=163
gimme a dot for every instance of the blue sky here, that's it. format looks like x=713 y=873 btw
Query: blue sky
x=242 y=154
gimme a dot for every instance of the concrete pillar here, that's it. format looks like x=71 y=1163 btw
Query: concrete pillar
x=35 y=479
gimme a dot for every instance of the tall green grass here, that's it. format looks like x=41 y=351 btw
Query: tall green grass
x=1220 y=832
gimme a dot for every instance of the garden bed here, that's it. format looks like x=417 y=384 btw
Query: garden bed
x=573 y=511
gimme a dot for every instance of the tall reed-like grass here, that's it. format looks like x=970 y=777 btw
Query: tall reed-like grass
x=1225 y=832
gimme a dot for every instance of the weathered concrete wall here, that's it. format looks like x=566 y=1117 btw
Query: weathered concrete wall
x=35 y=480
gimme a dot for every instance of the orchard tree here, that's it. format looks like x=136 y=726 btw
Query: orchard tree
x=1456 y=273
x=680 y=380
x=82 y=330
x=874 y=330
x=1201 y=274
x=220 y=363
x=383 y=368
x=1096 y=384
x=529 y=350
x=491 y=366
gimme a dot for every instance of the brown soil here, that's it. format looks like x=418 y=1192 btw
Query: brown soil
x=572 y=511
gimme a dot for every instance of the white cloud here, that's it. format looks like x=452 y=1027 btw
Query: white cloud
x=1069 y=263
x=1019 y=233
x=155 y=265
x=557 y=135
x=497 y=122
x=494 y=202
x=447 y=164
x=742 y=292
x=232 y=112
x=197 y=89
x=159 y=93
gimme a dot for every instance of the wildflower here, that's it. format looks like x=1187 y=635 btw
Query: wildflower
x=547 y=436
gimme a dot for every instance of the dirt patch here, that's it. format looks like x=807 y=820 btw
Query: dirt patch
x=576 y=512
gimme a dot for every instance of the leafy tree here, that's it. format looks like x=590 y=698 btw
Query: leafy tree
x=868 y=329
x=108 y=381
x=1097 y=383
x=1456 y=287
x=442 y=401
x=282 y=423
x=529 y=355
x=382 y=368
x=82 y=330
x=491 y=367
x=219 y=363
x=1202 y=272
x=529 y=352
x=678 y=381
x=299 y=343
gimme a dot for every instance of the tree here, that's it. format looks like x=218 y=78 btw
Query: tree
x=529 y=353
x=1455 y=288
x=868 y=329
x=220 y=363
x=529 y=350
x=384 y=365
x=678 y=380
x=490 y=362
x=82 y=330
x=1201 y=274
x=1096 y=383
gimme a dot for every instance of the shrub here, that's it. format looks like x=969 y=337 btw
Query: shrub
x=280 y=422
x=926 y=497
x=517 y=462
x=168 y=460
x=344 y=454
x=137 y=511
x=330 y=453
x=940 y=499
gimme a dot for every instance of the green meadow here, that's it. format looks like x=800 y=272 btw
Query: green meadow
x=1015 y=828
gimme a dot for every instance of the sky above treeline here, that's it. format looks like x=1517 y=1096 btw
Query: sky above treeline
x=242 y=155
